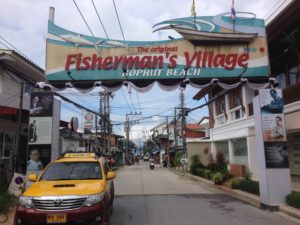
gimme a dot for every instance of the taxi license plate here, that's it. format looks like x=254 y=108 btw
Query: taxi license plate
x=56 y=218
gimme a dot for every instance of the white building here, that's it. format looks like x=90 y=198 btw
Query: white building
x=231 y=111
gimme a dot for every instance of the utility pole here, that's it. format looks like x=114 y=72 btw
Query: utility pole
x=109 y=128
x=105 y=121
x=101 y=120
x=167 y=150
x=183 y=122
x=17 y=156
x=128 y=130
x=127 y=137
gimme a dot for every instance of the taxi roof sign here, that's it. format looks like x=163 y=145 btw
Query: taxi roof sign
x=80 y=155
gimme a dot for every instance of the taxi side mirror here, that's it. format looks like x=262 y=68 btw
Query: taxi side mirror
x=111 y=175
x=32 y=177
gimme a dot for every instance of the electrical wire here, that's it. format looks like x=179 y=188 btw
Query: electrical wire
x=4 y=45
x=267 y=16
x=83 y=18
x=11 y=99
x=125 y=99
x=119 y=20
x=100 y=19
x=137 y=95
x=79 y=97
x=147 y=117
x=132 y=102
x=12 y=46
x=70 y=109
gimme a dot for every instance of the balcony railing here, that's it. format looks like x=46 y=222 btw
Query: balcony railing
x=220 y=119
x=236 y=113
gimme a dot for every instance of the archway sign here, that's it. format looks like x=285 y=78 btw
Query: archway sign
x=211 y=47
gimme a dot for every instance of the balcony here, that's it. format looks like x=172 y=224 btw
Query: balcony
x=220 y=119
x=236 y=113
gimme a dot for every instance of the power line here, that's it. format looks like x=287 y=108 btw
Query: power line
x=119 y=20
x=132 y=102
x=12 y=46
x=70 y=109
x=83 y=18
x=147 y=117
x=125 y=99
x=100 y=19
x=79 y=97
x=137 y=95
x=4 y=45
x=12 y=98
x=266 y=16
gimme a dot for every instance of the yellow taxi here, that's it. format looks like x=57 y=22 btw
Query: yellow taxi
x=75 y=189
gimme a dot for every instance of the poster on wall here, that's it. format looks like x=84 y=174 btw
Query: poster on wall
x=40 y=129
x=39 y=156
x=273 y=128
x=271 y=101
x=39 y=132
x=276 y=154
x=41 y=104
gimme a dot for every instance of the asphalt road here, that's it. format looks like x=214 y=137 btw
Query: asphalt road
x=162 y=197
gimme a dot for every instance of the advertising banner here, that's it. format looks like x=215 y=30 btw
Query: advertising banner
x=227 y=53
x=39 y=131
x=41 y=104
x=88 y=120
x=271 y=147
x=274 y=131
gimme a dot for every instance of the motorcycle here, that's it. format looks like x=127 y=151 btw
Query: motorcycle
x=165 y=163
x=128 y=162
x=152 y=165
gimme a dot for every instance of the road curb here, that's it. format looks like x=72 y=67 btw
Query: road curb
x=291 y=211
x=244 y=196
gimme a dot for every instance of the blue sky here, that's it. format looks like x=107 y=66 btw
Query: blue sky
x=24 y=24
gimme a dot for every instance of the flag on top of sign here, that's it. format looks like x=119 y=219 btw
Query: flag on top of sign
x=232 y=11
x=193 y=9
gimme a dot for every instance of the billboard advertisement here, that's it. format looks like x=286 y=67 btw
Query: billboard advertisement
x=210 y=48
x=273 y=128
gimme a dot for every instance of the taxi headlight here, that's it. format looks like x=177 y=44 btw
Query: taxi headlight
x=93 y=199
x=26 y=201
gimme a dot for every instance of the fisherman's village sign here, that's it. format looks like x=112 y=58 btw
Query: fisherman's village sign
x=209 y=48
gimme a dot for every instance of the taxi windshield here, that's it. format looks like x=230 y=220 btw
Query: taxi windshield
x=73 y=171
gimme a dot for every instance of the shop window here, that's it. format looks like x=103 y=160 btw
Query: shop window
x=281 y=80
x=294 y=75
x=223 y=147
x=82 y=143
x=240 y=147
x=7 y=144
x=1 y=144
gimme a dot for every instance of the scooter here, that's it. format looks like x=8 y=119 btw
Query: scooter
x=152 y=165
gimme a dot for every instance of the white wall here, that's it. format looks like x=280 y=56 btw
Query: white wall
x=10 y=92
